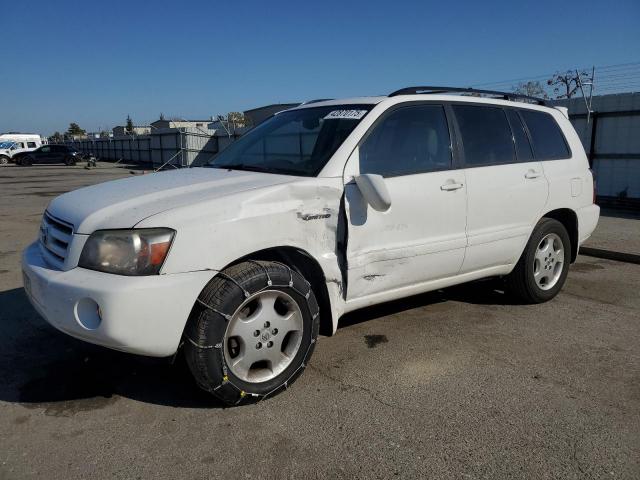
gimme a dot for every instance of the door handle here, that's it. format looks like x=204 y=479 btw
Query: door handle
x=532 y=174
x=451 y=185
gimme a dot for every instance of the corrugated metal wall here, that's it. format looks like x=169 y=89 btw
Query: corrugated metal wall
x=176 y=146
x=612 y=141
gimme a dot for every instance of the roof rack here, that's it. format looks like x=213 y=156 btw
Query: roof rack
x=495 y=93
x=316 y=101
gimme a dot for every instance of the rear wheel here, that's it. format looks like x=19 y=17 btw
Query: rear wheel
x=543 y=267
x=252 y=331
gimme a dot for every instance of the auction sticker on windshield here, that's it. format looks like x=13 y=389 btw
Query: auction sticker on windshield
x=346 y=114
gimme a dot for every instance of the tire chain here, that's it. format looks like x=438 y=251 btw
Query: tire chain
x=226 y=381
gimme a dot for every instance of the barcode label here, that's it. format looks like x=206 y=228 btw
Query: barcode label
x=346 y=115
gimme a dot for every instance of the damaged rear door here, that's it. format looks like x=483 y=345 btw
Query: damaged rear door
x=422 y=236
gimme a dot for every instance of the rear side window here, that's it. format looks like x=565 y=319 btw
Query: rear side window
x=523 y=147
x=548 y=141
x=486 y=135
x=31 y=144
x=408 y=141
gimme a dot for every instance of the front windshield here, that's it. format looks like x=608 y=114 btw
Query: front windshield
x=6 y=145
x=294 y=142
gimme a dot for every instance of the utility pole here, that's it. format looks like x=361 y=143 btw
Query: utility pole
x=581 y=84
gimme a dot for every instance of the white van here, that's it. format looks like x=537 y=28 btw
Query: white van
x=322 y=209
x=13 y=143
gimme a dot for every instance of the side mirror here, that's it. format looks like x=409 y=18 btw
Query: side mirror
x=374 y=191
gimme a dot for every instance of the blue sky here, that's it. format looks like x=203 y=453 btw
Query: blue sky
x=96 y=62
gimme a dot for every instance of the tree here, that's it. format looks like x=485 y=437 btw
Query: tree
x=129 y=126
x=531 y=89
x=161 y=116
x=237 y=120
x=566 y=84
x=56 y=137
x=75 y=130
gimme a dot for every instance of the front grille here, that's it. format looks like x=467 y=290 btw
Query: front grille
x=55 y=237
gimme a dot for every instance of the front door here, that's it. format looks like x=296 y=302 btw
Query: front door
x=42 y=155
x=422 y=235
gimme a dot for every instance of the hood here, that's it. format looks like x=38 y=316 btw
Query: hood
x=124 y=203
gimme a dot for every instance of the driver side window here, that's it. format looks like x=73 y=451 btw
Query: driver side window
x=408 y=141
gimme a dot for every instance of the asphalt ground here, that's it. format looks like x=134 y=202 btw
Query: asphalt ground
x=459 y=383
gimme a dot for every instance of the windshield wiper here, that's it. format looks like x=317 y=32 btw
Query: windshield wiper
x=241 y=166
x=248 y=168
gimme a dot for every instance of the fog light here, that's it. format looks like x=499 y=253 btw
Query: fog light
x=88 y=313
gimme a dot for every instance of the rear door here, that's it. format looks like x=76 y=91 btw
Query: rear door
x=422 y=235
x=58 y=153
x=507 y=189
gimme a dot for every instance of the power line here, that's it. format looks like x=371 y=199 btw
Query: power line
x=606 y=68
x=620 y=66
x=618 y=78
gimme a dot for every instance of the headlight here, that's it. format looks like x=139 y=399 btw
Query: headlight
x=127 y=252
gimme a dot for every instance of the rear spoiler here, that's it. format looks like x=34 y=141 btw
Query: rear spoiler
x=563 y=110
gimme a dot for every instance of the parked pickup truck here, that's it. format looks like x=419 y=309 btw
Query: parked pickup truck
x=14 y=144
x=321 y=210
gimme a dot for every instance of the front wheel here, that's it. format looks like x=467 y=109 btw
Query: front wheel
x=4 y=160
x=252 y=331
x=69 y=161
x=544 y=265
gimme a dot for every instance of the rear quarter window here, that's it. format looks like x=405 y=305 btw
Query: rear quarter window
x=547 y=138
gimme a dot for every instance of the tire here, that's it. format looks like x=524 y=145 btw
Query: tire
x=26 y=161
x=69 y=161
x=4 y=160
x=228 y=355
x=541 y=272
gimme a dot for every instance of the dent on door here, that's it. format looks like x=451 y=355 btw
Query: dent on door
x=420 y=238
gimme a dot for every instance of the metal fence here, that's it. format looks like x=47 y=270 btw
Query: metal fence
x=177 y=147
x=611 y=138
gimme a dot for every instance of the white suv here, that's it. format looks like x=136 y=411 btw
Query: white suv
x=320 y=210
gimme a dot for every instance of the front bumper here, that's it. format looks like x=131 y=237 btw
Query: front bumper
x=142 y=315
